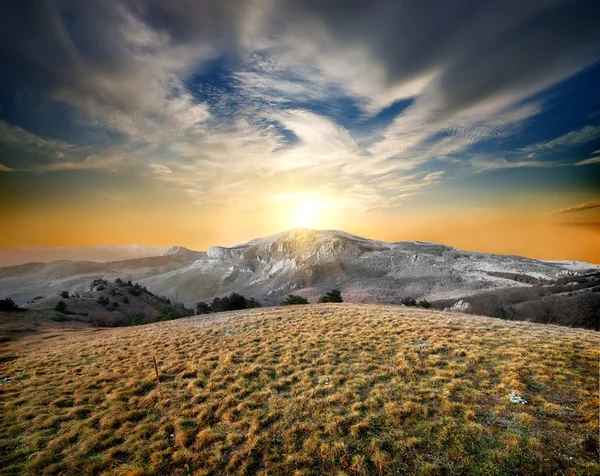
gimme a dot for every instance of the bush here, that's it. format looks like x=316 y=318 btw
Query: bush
x=424 y=303
x=125 y=300
x=8 y=305
x=61 y=319
x=61 y=306
x=332 y=296
x=134 y=291
x=408 y=301
x=136 y=319
x=102 y=300
x=64 y=294
x=203 y=308
x=293 y=299
x=167 y=314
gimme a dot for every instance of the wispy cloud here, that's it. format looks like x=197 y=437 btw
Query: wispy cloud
x=581 y=136
x=294 y=82
x=591 y=160
x=578 y=208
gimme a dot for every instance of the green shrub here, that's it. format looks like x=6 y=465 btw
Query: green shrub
x=102 y=300
x=64 y=294
x=424 y=303
x=408 y=301
x=332 y=296
x=61 y=319
x=61 y=306
x=136 y=319
x=293 y=299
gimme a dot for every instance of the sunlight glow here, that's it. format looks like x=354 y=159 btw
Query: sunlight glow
x=306 y=214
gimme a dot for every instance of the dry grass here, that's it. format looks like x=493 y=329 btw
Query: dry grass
x=321 y=389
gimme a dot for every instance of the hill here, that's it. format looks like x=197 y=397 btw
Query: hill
x=318 y=389
x=103 y=253
x=103 y=303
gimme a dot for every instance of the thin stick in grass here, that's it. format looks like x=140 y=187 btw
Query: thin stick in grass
x=160 y=392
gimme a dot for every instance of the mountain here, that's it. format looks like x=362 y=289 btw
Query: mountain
x=309 y=263
x=103 y=253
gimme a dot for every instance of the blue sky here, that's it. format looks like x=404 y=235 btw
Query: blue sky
x=365 y=105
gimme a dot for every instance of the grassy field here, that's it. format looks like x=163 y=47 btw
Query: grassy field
x=320 y=389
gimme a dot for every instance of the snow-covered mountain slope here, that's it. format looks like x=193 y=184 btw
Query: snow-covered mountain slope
x=309 y=262
x=103 y=253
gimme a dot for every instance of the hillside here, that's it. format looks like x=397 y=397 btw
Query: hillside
x=103 y=304
x=319 y=389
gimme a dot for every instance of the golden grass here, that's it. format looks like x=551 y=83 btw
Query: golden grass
x=320 y=389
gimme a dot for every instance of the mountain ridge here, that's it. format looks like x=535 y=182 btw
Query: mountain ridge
x=312 y=262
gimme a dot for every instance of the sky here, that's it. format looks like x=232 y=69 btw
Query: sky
x=466 y=122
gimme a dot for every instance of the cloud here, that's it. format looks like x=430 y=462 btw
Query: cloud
x=591 y=160
x=578 y=208
x=581 y=136
x=108 y=161
x=231 y=96
x=16 y=135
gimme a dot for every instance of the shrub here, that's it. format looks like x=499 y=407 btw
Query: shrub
x=332 y=296
x=134 y=291
x=125 y=300
x=119 y=282
x=115 y=304
x=61 y=306
x=293 y=299
x=424 y=303
x=8 y=305
x=168 y=314
x=136 y=319
x=64 y=294
x=61 y=319
x=102 y=300
x=408 y=301
x=203 y=308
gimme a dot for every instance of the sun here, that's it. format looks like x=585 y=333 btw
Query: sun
x=305 y=215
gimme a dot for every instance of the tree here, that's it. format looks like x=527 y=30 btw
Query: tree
x=409 y=301
x=293 y=299
x=252 y=303
x=136 y=319
x=424 y=303
x=216 y=305
x=203 y=308
x=8 y=305
x=103 y=300
x=61 y=306
x=332 y=296
x=236 y=302
x=64 y=294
